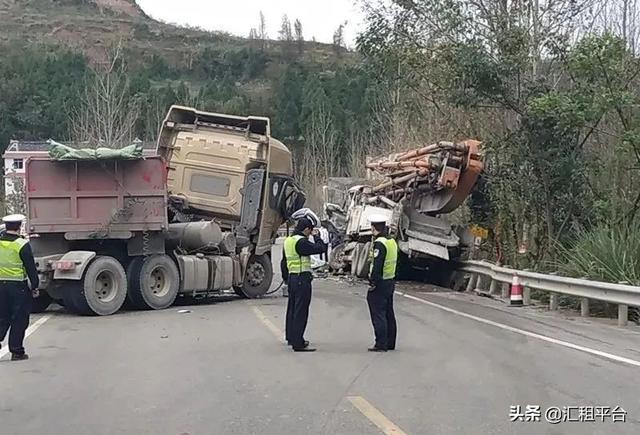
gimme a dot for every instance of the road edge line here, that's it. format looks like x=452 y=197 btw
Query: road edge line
x=548 y=339
x=30 y=330
x=268 y=323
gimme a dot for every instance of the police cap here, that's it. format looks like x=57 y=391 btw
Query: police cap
x=378 y=219
x=13 y=218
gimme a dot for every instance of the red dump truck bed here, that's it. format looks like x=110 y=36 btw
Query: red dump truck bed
x=85 y=198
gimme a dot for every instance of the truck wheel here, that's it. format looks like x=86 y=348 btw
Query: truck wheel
x=69 y=298
x=362 y=262
x=154 y=282
x=41 y=303
x=441 y=273
x=336 y=259
x=133 y=270
x=258 y=277
x=103 y=289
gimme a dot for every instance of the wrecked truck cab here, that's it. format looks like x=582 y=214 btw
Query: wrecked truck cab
x=228 y=168
x=195 y=220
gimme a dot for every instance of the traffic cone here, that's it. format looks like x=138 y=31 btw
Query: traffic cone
x=516 y=293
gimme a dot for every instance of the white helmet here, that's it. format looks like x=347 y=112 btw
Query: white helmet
x=307 y=213
x=378 y=219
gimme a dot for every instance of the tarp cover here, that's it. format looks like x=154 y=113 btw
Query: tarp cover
x=63 y=152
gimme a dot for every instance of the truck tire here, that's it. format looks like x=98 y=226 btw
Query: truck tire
x=238 y=290
x=69 y=298
x=103 y=288
x=154 y=282
x=41 y=303
x=441 y=273
x=258 y=277
x=336 y=259
x=363 y=263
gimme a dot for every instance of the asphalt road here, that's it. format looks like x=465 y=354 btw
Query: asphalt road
x=222 y=368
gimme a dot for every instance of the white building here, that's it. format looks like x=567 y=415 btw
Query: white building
x=15 y=157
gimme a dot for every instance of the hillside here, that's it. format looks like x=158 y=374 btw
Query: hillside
x=51 y=50
x=93 y=25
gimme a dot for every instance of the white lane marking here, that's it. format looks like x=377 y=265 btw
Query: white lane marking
x=30 y=330
x=376 y=417
x=268 y=323
x=527 y=333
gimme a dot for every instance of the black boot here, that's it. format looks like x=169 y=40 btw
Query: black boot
x=376 y=349
x=306 y=343
x=19 y=356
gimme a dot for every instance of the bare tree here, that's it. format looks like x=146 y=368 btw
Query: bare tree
x=321 y=157
x=299 y=36
x=262 y=31
x=285 y=33
x=107 y=112
x=621 y=17
x=338 y=38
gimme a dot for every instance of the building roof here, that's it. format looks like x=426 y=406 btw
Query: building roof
x=22 y=146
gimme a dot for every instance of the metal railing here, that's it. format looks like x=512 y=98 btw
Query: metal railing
x=498 y=279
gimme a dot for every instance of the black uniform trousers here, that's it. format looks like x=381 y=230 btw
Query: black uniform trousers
x=298 y=308
x=380 y=300
x=15 y=308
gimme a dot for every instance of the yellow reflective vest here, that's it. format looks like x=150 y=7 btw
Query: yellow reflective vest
x=11 y=267
x=295 y=263
x=390 y=260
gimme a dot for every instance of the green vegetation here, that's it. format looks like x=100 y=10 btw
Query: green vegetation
x=604 y=253
x=555 y=105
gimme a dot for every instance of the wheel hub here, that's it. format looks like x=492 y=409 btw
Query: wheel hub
x=105 y=286
x=256 y=274
x=158 y=284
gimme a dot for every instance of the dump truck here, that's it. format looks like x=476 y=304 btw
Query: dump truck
x=196 y=219
x=415 y=190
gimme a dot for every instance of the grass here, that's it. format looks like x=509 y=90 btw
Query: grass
x=606 y=252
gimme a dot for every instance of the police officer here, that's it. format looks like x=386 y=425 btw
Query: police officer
x=16 y=293
x=296 y=271
x=382 y=274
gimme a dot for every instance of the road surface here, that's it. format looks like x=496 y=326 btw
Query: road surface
x=222 y=368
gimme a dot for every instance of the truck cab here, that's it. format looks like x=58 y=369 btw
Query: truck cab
x=196 y=219
x=229 y=169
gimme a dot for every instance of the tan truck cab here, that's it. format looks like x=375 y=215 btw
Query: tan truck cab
x=229 y=169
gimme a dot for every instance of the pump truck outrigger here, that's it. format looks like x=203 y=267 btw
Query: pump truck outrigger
x=197 y=218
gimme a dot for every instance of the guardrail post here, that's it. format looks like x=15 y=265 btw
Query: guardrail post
x=472 y=282
x=493 y=288
x=505 y=290
x=526 y=296
x=553 y=301
x=623 y=315
x=480 y=284
x=584 y=307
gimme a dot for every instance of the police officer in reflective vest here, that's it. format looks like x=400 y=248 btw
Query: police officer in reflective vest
x=382 y=274
x=296 y=270
x=16 y=293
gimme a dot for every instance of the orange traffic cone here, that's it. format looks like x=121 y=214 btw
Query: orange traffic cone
x=516 y=293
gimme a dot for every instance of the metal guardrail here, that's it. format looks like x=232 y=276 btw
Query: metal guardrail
x=483 y=272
